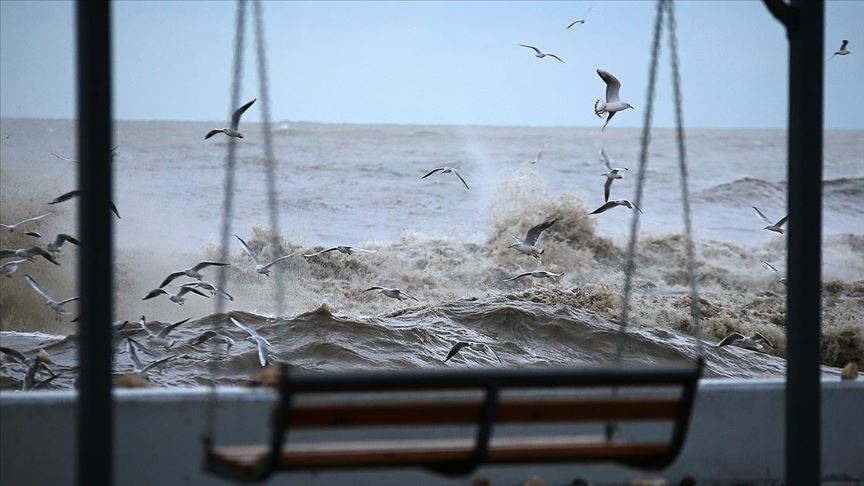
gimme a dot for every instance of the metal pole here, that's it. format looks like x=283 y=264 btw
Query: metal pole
x=95 y=409
x=805 y=30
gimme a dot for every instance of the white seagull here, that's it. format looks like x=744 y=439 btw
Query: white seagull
x=538 y=54
x=348 y=250
x=28 y=253
x=616 y=202
x=263 y=349
x=580 y=21
x=843 y=51
x=775 y=227
x=55 y=246
x=393 y=293
x=176 y=298
x=614 y=173
x=140 y=368
x=474 y=346
x=13 y=227
x=212 y=336
x=535 y=274
x=755 y=342
x=161 y=338
x=214 y=290
x=68 y=159
x=261 y=268
x=780 y=277
x=445 y=170
x=613 y=104
x=54 y=304
x=69 y=195
x=194 y=272
x=527 y=246
x=235 y=120
x=542 y=149
x=9 y=268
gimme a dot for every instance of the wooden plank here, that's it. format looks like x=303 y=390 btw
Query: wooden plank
x=469 y=410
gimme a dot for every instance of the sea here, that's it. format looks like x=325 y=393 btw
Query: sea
x=448 y=246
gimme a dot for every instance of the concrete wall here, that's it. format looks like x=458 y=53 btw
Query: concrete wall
x=736 y=434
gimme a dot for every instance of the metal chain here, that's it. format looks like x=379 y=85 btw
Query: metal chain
x=270 y=160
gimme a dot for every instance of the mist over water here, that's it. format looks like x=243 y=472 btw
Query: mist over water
x=360 y=185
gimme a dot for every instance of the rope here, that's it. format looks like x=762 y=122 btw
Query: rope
x=275 y=239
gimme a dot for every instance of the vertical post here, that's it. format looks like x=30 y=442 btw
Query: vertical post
x=805 y=29
x=95 y=410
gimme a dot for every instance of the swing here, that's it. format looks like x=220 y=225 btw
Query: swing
x=352 y=403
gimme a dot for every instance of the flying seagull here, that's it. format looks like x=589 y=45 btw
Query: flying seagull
x=614 y=173
x=538 y=54
x=755 y=342
x=393 y=293
x=54 y=304
x=68 y=159
x=263 y=349
x=69 y=195
x=212 y=336
x=775 y=227
x=13 y=227
x=535 y=274
x=780 y=277
x=140 y=368
x=161 y=338
x=29 y=253
x=613 y=104
x=474 y=346
x=261 y=268
x=9 y=268
x=843 y=51
x=527 y=246
x=193 y=272
x=55 y=246
x=214 y=290
x=235 y=120
x=348 y=250
x=445 y=170
x=542 y=149
x=176 y=298
x=580 y=21
x=615 y=202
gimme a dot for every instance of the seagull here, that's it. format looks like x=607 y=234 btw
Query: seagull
x=193 y=272
x=843 y=51
x=212 y=336
x=614 y=173
x=613 y=104
x=13 y=227
x=176 y=298
x=141 y=347
x=54 y=304
x=30 y=381
x=28 y=253
x=539 y=54
x=161 y=338
x=615 y=202
x=259 y=267
x=348 y=250
x=775 y=227
x=540 y=153
x=446 y=170
x=780 y=277
x=10 y=355
x=526 y=246
x=393 y=293
x=9 y=268
x=235 y=120
x=581 y=21
x=214 y=290
x=263 y=350
x=55 y=246
x=475 y=346
x=67 y=159
x=755 y=342
x=140 y=368
x=69 y=195
x=535 y=274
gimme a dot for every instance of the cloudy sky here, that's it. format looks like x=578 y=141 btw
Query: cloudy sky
x=429 y=62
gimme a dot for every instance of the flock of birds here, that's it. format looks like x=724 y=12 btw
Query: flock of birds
x=198 y=285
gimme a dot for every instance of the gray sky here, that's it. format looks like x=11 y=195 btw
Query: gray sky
x=425 y=62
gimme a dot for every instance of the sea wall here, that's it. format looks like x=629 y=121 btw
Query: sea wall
x=736 y=435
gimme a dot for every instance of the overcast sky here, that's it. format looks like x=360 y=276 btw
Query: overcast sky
x=413 y=62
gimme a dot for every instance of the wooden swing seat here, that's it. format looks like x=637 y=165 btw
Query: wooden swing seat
x=360 y=405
